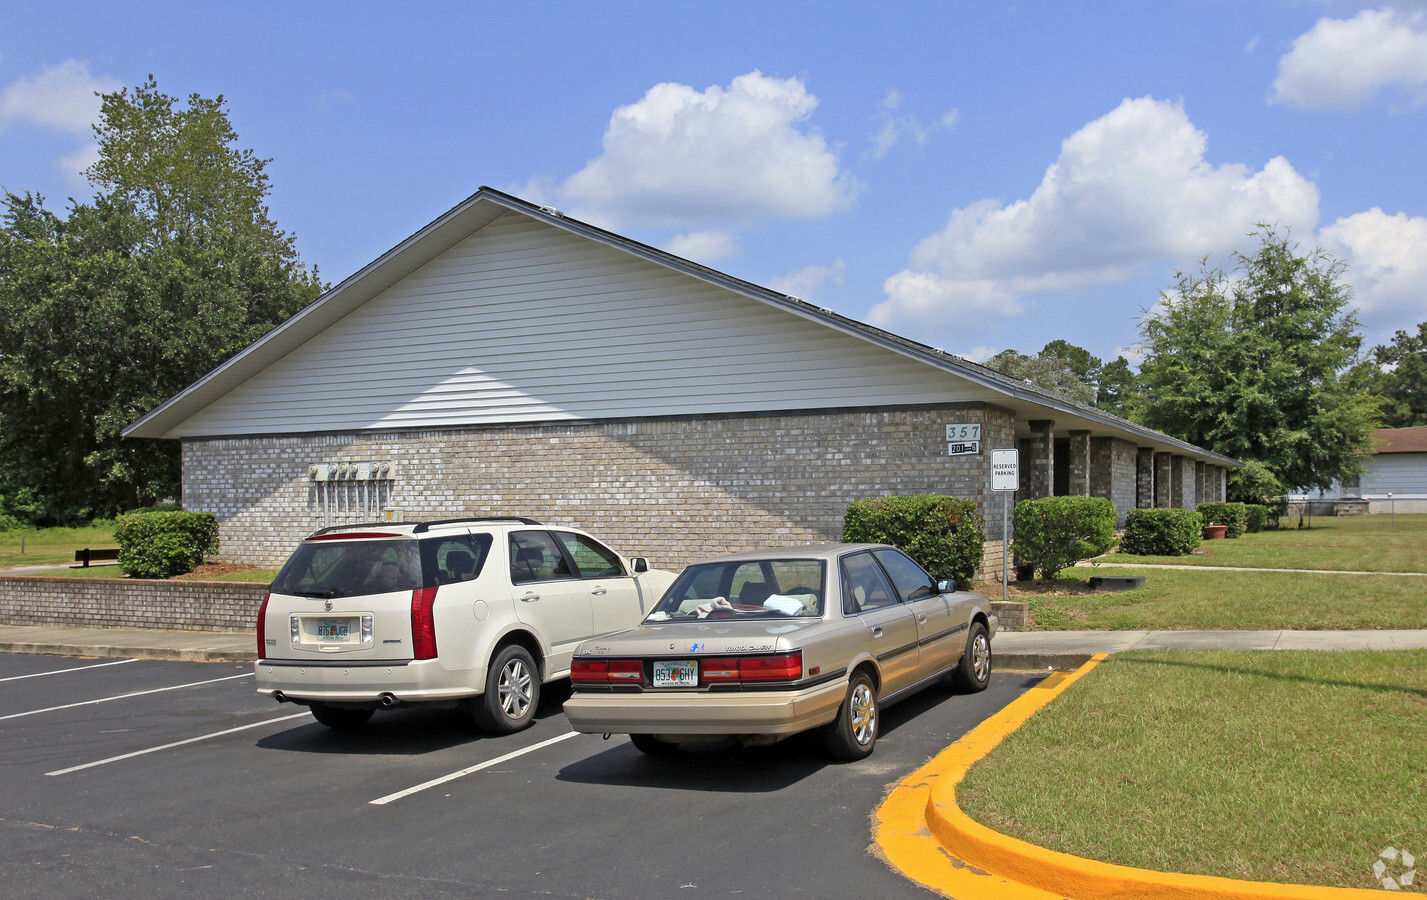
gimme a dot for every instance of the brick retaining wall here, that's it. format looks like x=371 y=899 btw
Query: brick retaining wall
x=130 y=603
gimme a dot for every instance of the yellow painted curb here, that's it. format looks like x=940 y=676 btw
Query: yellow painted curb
x=922 y=831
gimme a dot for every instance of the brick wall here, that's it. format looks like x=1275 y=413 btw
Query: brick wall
x=673 y=490
x=1113 y=474
x=130 y=603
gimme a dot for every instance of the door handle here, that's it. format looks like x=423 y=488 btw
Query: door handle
x=529 y=596
x=921 y=620
x=877 y=632
x=598 y=589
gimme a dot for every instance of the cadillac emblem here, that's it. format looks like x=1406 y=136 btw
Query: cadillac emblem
x=328 y=605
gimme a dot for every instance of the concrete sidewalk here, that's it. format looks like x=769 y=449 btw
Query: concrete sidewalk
x=1012 y=649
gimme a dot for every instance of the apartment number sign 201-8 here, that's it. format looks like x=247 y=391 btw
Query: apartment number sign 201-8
x=963 y=440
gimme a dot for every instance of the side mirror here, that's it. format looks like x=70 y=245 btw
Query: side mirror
x=946 y=587
x=640 y=564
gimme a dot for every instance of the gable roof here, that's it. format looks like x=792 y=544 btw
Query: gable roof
x=198 y=409
x=1401 y=440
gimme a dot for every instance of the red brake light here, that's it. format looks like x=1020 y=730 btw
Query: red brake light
x=263 y=626
x=780 y=667
x=606 y=671
x=589 y=671
x=423 y=623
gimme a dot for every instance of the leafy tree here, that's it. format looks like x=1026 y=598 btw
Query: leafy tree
x=172 y=268
x=1047 y=371
x=1082 y=362
x=1263 y=366
x=1253 y=483
x=1119 y=391
x=1401 y=378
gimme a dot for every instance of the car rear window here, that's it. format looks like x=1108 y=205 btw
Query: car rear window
x=333 y=568
x=744 y=589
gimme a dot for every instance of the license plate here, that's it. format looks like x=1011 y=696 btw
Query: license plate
x=676 y=673
x=334 y=630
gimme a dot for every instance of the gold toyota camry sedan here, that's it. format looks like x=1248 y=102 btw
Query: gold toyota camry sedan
x=760 y=646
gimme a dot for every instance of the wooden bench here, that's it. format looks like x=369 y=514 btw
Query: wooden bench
x=86 y=556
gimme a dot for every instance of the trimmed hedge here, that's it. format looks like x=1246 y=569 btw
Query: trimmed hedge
x=164 y=544
x=1256 y=517
x=1162 y=532
x=1233 y=516
x=1054 y=533
x=944 y=534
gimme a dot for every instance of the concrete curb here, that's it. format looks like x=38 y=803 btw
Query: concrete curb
x=940 y=847
x=158 y=653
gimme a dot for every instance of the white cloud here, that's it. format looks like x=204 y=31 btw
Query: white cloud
x=807 y=282
x=897 y=127
x=61 y=98
x=1345 y=63
x=705 y=246
x=980 y=354
x=1387 y=264
x=1129 y=189
x=681 y=157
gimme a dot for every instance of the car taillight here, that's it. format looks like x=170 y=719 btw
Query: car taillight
x=719 y=668
x=778 y=667
x=423 y=623
x=606 y=671
x=263 y=626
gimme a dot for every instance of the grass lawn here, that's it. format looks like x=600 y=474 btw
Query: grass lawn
x=1354 y=543
x=1189 y=599
x=1280 y=766
x=50 y=546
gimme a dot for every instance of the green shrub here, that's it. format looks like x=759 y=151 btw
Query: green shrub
x=1255 y=517
x=10 y=523
x=944 y=534
x=1233 y=516
x=1162 y=532
x=164 y=544
x=1053 y=533
x=1253 y=482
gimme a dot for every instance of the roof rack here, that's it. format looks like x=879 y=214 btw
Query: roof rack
x=424 y=526
x=333 y=528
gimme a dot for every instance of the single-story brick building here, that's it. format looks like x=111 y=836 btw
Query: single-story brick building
x=506 y=359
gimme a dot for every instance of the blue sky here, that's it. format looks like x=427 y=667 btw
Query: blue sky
x=975 y=176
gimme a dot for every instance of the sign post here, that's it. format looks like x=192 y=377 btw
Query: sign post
x=1005 y=480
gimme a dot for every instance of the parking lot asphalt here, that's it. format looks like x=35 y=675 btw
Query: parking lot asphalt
x=145 y=778
x=1015 y=650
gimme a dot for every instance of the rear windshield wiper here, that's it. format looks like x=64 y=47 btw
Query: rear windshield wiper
x=323 y=595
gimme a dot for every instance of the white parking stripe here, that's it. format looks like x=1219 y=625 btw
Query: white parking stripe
x=194 y=740
x=35 y=712
x=62 y=671
x=382 y=801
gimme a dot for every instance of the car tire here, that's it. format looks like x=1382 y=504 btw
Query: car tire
x=973 y=673
x=650 y=745
x=512 y=692
x=338 y=718
x=853 y=734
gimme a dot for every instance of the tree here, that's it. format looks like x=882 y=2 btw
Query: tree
x=1046 y=371
x=1400 y=379
x=1118 y=389
x=1262 y=366
x=172 y=268
x=1082 y=362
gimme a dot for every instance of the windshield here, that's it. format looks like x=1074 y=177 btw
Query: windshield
x=328 y=568
x=744 y=589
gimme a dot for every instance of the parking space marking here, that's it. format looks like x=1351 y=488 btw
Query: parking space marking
x=193 y=740
x=382 y=801
x=119 y=662
x=35 y=712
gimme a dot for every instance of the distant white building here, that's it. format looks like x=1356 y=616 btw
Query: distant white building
x=1396 y=477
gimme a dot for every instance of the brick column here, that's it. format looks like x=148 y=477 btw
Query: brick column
x=1200 y=495
x=1079 y=464
x=1163 y=476
x=1144 y=478
x=1040 y=466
